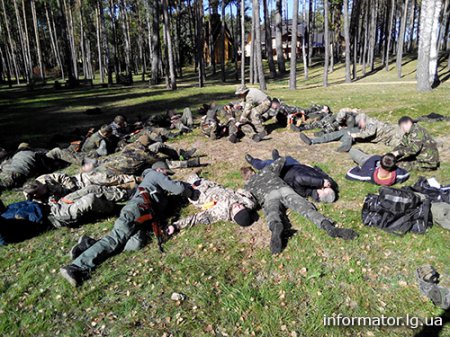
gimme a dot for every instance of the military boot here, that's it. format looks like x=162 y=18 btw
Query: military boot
x=174 y=164
x=335 y=232
x=276 y=244
x=74 y=274
x=84 y=242
x=185 y=155
x=305 y=139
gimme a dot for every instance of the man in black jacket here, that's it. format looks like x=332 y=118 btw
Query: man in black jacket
x=306 y=181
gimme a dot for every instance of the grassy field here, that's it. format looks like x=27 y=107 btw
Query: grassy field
x=234 y=286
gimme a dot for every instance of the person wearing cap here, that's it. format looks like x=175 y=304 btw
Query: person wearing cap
x=255 y=103
x=417 y=149
x=127 y=234
x=275 y=195
x=306 y=181
x=367 y=130
x=99 y=144
x=25 y=163
x=379 y=170
x=217 y=204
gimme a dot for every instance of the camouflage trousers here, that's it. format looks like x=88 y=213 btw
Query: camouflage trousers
x=414 y=164
x=256 y=116
x=342 y=135
x=219 y=212
x=86 y=204
x=286 y=198
x=126 y=235
x=66 y=155
x=441 y=214
x=10 y=179
x=160 y=147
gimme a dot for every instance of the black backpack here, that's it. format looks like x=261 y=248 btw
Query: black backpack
x=397 y=211
x=433 y=193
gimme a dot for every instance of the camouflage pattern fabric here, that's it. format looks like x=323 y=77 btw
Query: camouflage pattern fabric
x=378 y=132
x=16 y=170
x=273 y=194
x=68 y=155
x=418 y=150
x=255 y=104
x=216 y=202
x=327 y=124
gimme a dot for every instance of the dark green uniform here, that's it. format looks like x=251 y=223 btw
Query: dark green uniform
x=418 y=150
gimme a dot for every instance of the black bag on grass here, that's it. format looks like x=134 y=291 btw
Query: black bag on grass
x=397 y=211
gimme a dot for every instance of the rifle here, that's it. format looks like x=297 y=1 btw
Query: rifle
x=148 y=216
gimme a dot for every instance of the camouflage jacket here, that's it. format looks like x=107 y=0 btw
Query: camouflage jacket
x=419 y=145
x=253 y=98
x=23 y=162
x=267 y=180
x=379 y=132
x=327 y=124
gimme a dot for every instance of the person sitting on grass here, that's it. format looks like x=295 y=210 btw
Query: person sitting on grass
x=379 y=170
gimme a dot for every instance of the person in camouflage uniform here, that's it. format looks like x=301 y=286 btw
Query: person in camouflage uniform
x=255 y=103
x=218 y=204
x=210 y=124
x=61 y=184
x=345 y=118
x=182 y=123
x=273 y=194
x=25 y=163
x=368 y=130
x=85 y=204
x=99 y=144
x=150 y=198
x=417 y=149
x=431 y=286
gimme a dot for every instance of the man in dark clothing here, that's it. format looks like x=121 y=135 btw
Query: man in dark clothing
x=273 y=194
x=380 y=170
x=306 y=181
x=127 y=234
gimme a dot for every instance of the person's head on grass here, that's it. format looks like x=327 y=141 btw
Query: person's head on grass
x=405 y=123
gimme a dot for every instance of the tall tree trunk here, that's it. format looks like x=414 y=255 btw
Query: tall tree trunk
x=327 y=43
x=38 y=43
x=223 y=46
x=113 y=25
x=311 y=19
x=156 y=43
x=348 y=78
x=82 y=42
x=443 y=31
x=27 y=39
x=108 y=64
x=71 y=37
x=268 y=40
x=26 y=63
x=99 y=46
x=127 y=47
x=401 y=38
x=10 y=42
x=252 y=52
x=373 y=29
x=356 y=29
x=293 y=61
x=200 y=43
x=304 y=40
x=411 y=26
x=389 y=38
x=212 y=55
x=166 y=26
x=279 y=37
x=426 y=31
x=434 y=51
x=242 y=42
x=258 y=53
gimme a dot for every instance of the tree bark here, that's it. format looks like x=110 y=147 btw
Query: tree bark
x=434 y=50
x=26 y=63
x=99 y=47
x=155 y=43
x=278 y=37
x=38 y=43
x=293 y=61
x=423 y=61
x=258 y=53
x=173 y=83
x=389 y=35
x=348 y=78
x=10 y=42
x=304 y=39
x=200 y=44
x=268 y=40
x=401 y=38
x=222 y=34
x=327 y=44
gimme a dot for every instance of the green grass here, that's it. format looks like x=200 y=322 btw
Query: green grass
x=234 y=286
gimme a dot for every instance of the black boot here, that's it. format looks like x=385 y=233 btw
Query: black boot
x=84 y=242
x=275 y=154
x=343 y=233
x=185 y=155
x=74 y=274
x=276 y=244
x=305 y=139
x=249 y=158
x=344 y=147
